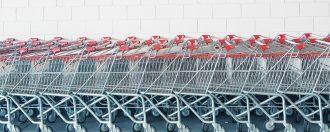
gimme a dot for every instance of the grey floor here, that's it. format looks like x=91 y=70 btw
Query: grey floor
x=192 y=122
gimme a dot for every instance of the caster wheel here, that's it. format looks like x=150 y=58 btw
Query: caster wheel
x=5 y=128
x=48 y=129
x=273 y=110
x=82 y=117
x=104 y=128
x=269 y=126
x=306 y=126
x=170 y=127
x=217 y=112
x=70 y=128
x=259 y=112
x=113 y=116
x=98 y=112
x=15 y=127
x=129 y=111
x=185 y=112
x=206 y=127
x=155 y=113
x=297 y=118
x=69 y=111
x=83 y=129
x=13 y=117
x=22 y=118
x=239 y=127
x=289 y=112
x=118 y=129
x=51 y=117
x=137 y=127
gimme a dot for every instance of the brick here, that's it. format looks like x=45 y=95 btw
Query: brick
x=299 y=24
x=322 y=24
x=200 y=11
x=284 y=9
x=42 y=3
x=57 y=13
x=210 y=2
x=270 y=1
x=126 y=2
x=71 y=27
x=1 y=28
x=256 y=10
x=98 y=2
x=213 y=25
x=70 y=2
x=169 y=11
x=16 y=28
x=113 y=12
x=15 y=3
x=183 y=26
x=298 y=0
x=44 y=28
x=30 y=14
x=155 y=26
x=126 y=26
x=240 y=25
x=85 y=13
x=182 y=2
x=141 y=11
x=154 y=2
x=7 y=14
x=227 y=10
x=314 y=9
x=270 y=25
x=240 y=1
x=99 y=27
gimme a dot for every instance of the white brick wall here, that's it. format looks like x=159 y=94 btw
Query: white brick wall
x=47 y=18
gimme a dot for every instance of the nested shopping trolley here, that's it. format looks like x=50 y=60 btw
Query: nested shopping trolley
x=280 y=78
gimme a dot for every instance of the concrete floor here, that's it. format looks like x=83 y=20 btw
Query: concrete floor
x=192 y=122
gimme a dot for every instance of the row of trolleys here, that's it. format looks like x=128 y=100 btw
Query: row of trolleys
x=169 y=78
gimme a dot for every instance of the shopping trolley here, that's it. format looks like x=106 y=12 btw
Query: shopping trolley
x=304 y=76
x=229 y=78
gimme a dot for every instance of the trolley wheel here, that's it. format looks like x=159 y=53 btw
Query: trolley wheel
x=137 y=127
x=16 y=128
x=155 y=113
x=289 y=112
x=170 y=127
x=273 y=110
x=70 y=128
x=306 y=126
x=13 y=116
x=83 y=129
x=217 y=113
x=206 y=127
x=297 y=118
x=5 y=128
x=114 y=116
x=82 y=117
x=52 y=117
x=239 y=127
x=98 y=112
x=3 y=112
x=103 y=128
x=185 y=112
x=22 y=118
x=269 y=125
x=129 y=111
x=48 y=129
x=259 y=112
